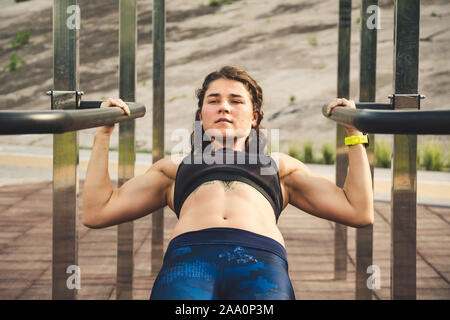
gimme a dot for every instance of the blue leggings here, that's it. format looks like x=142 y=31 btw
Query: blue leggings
x=223 y=264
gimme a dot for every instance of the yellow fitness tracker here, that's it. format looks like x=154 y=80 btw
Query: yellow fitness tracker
x=351 y=141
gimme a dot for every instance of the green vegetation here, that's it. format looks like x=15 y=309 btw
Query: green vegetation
x=184 y=95
x=358 y=20
x=312 y=40
x=15 y=62
x=292 y=98
x=308 y=154
x=328 y=153
x=433 y=14
x=294 y=150
x=382 y=155
x=216 y=3
x=431 y=157
x=20 y=39
x=320 y=66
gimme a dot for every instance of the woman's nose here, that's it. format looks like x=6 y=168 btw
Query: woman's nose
x=225 y=106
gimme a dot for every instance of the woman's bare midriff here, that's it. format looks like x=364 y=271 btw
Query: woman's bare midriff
x=236 y=205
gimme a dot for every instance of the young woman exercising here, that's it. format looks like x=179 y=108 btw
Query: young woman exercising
x=227 y=196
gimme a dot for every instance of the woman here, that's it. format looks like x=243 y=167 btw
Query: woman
x=226 y=243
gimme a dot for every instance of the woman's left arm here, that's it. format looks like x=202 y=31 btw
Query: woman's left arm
x=358 y=184
x=351 y=205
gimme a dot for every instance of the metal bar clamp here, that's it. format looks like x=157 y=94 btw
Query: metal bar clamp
x=405 y=101
x=65 y=99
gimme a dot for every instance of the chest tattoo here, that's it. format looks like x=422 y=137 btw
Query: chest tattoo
x=227 y=185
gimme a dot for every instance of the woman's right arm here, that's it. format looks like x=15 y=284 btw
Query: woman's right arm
x=139 y=196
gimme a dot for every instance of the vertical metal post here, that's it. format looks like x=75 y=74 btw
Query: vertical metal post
x=367 y=89
x=159 y=38
x=343 y=91
x=127 y=152
x=65 y=152
x=404 y=170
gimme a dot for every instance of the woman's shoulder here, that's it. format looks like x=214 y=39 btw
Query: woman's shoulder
x=169 y=165
x=286 y=164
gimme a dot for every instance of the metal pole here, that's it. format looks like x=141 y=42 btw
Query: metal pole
x=404 y=170
x=159 y=35
x=65 y=154
x=367 y=89
x=127 y=152
x=343 y=91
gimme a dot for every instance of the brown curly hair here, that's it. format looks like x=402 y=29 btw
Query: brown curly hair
x=256 y=95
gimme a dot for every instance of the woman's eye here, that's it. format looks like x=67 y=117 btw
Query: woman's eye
x=236 y=101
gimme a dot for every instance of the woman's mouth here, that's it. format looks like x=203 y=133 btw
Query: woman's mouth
x=223 y=120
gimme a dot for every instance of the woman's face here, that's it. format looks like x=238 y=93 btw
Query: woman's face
x=228 y=110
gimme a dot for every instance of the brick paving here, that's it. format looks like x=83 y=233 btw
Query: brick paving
x=26 y=247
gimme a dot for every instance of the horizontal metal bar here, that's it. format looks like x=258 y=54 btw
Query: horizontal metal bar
x=374 y=106
x=393 y=121
x=90 y=104
x=60 y=121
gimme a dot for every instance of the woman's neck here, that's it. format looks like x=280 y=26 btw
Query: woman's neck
x=235 y=144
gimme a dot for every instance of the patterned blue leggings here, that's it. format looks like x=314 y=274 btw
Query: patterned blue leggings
x=219 y=264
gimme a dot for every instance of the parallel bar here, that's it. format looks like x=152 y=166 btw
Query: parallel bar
x=394 y=122
x=367 y=89
x=65 y=156
x=343 y=91
x=159 y=38
x=127 y=152
x=373 y=105
x=60 y=121
x=404 y=170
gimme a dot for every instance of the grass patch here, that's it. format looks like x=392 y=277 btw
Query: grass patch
x=320 y=66
x=15 y=62
x=215 y=3
x=294 y=150
x=21 y=38
x=431 y=157
x=178 y=97
x=292 y=98
x=383 y=151
x=308 y=152
x=312 y=40
x=328 y=153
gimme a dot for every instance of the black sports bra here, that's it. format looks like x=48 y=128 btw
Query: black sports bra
x=258 y=170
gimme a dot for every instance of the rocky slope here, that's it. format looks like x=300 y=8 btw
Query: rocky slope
x=290 y=47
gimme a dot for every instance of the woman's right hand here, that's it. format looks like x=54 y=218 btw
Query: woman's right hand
x=112 y=103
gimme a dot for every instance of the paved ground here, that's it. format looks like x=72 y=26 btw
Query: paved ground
x=25 y=251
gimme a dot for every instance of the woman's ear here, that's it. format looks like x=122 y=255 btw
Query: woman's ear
x=255 y=119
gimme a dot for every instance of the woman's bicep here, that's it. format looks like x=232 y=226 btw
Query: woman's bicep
x=136 y=198
x=320 y=197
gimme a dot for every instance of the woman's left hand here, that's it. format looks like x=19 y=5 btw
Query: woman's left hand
x=342 y=102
